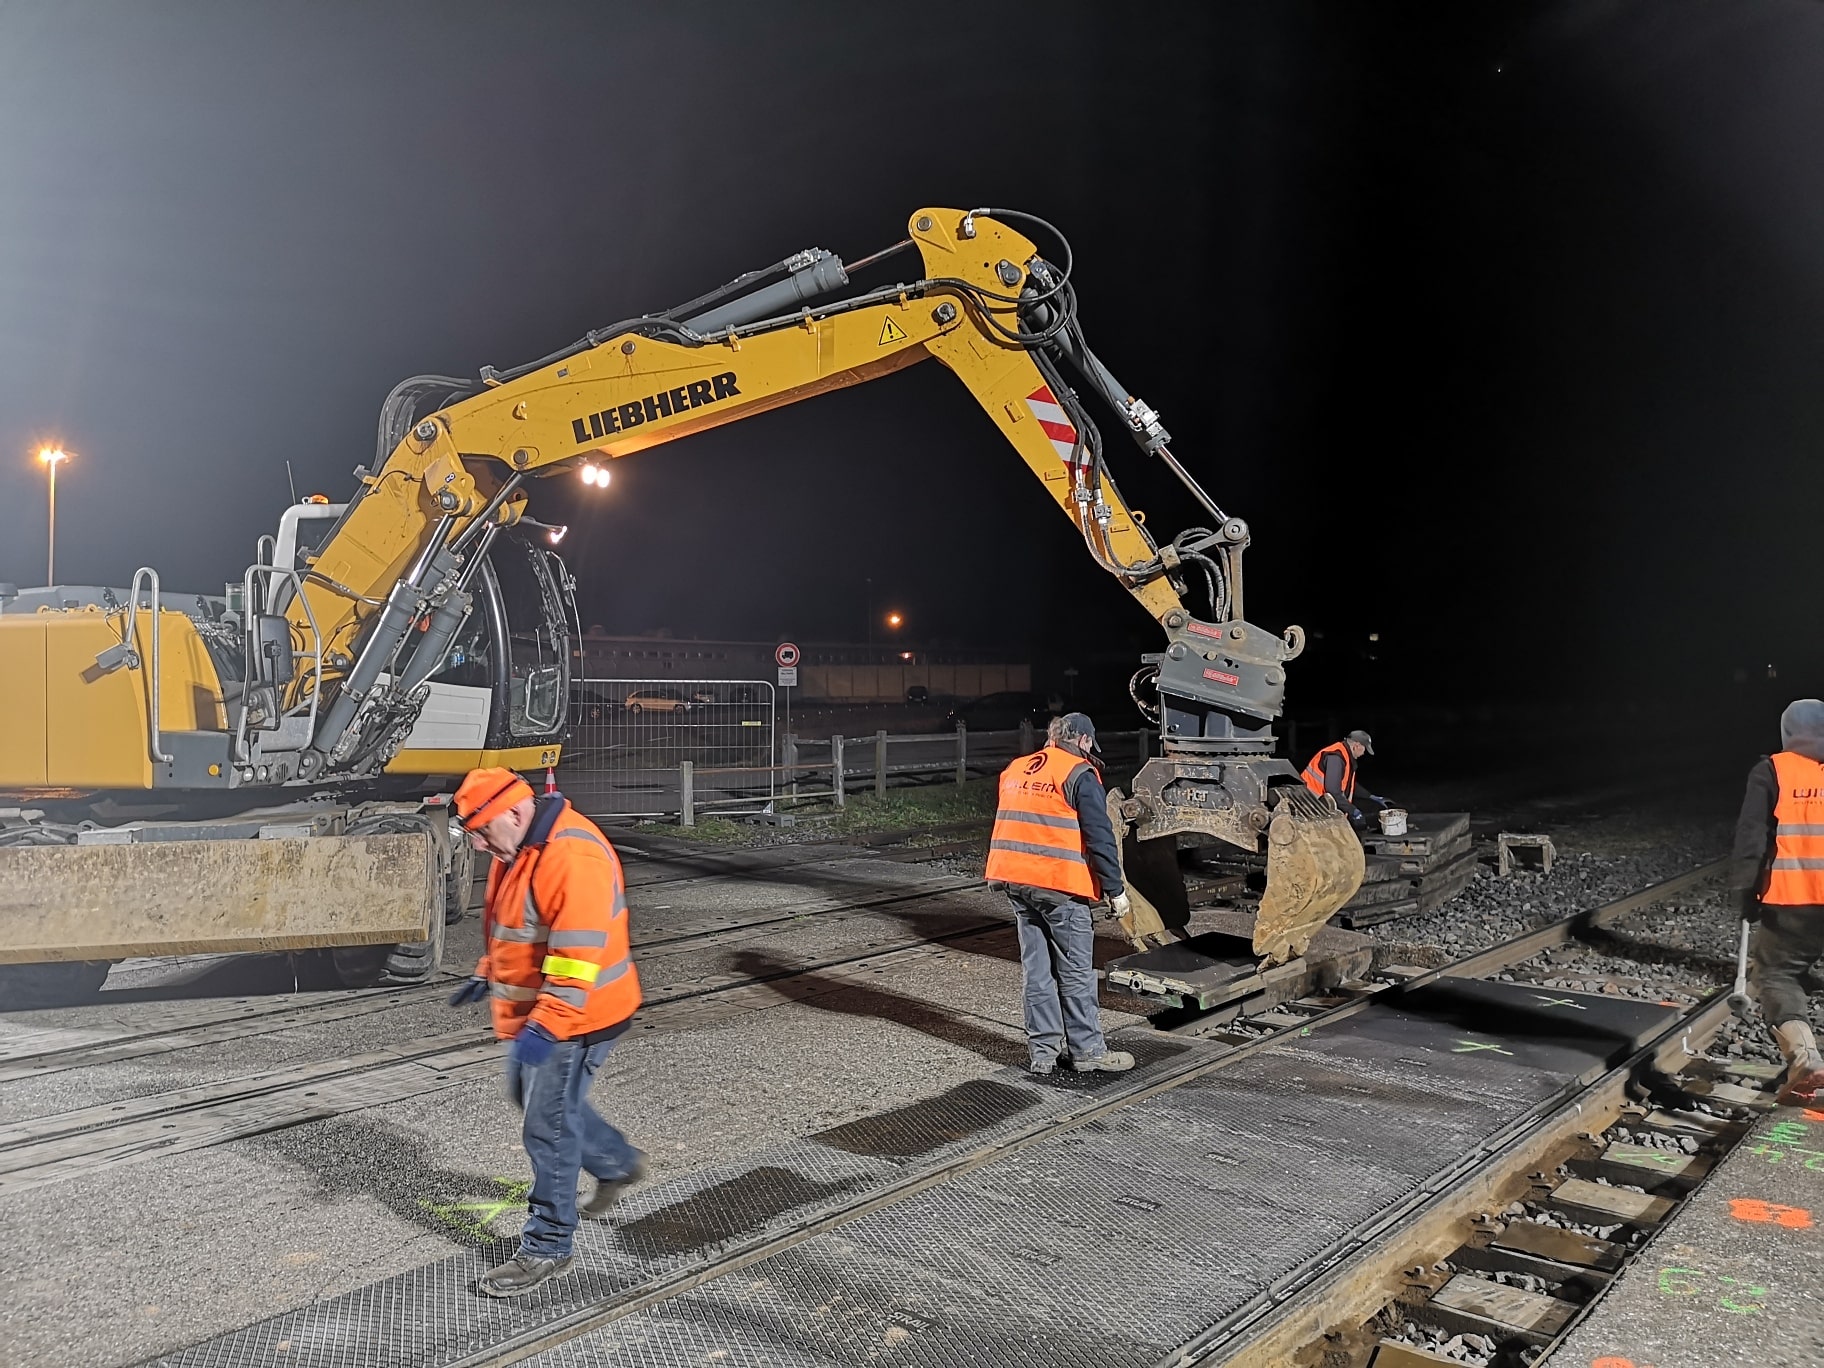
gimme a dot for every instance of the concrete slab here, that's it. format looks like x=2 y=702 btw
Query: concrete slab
x=1736 y=1276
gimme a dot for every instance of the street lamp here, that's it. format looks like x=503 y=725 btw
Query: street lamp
x=895 y=621
x=50 y=456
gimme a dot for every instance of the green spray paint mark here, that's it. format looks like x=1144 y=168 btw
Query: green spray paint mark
x=476 y=1219
x=1736 y=1297
x=1472 y=1046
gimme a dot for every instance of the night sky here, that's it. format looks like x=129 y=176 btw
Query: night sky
x=1503 y=325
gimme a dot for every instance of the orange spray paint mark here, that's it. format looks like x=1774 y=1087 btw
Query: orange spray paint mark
x=1769 y=1213
x=1812 y=1114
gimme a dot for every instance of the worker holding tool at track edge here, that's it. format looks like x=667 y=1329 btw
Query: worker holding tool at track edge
x=558 y=968
x=1333 y=771
x=1777 y=876
x=1053 y=852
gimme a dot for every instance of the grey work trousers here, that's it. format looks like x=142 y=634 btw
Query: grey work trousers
x=1787 y=942
x=1057 y=956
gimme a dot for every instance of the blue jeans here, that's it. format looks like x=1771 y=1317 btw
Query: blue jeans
x=563 y=1134
x=1057 y=955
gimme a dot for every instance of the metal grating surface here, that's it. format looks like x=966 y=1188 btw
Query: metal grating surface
x=1105 y=1244
x=1114 y=1242
x=432 y=1317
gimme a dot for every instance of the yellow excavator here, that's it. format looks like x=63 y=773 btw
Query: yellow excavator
x=258 y=771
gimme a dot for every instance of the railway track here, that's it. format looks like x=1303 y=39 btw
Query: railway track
x=950 y=1175
x=40 y=1052
x=68 y=1144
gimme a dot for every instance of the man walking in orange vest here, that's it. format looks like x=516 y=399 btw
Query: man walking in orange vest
x=559 y=971
x=1778 y=874
x=1053 y=850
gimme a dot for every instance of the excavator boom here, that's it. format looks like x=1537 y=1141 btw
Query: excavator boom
x=1003 y=319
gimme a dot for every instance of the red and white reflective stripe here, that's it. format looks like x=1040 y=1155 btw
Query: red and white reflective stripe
x=1050 y=413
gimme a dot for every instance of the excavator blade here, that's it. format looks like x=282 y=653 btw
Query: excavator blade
x=1314 y=866
x=1142 y=924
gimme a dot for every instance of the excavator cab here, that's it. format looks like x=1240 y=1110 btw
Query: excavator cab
x=500 y=695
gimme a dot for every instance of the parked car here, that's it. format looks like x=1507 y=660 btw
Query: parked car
x=591 y=703
x=1001 y=712
x=918 y=693
x=659 y=700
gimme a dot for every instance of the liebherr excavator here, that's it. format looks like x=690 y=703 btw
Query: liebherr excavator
x=250 y=774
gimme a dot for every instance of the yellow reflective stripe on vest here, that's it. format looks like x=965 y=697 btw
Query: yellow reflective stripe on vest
x=1037 y=819
x=1029 y=848
x=579 y=997
x=570 y=940
x=558 y=966
x=578 y=834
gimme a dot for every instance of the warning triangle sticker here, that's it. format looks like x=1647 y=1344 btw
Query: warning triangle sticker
x=890 y=332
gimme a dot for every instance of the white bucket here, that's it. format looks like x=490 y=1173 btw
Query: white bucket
x=1393 y=821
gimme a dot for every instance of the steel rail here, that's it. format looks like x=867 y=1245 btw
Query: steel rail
x=523 y=1346
x=1355 y=1277
x=442 y=1058
x=266 y=1019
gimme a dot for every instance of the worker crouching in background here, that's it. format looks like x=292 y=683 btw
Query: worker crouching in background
x=1333 y=771
x=559 y=970
x=1053 y=850
x=1778 y=875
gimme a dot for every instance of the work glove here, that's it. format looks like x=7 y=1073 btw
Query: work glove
x=1119 y=906
x=473 y=990
x=532 y=1046
x=1357 y=820
x=1750 y=905
x=1383 y=802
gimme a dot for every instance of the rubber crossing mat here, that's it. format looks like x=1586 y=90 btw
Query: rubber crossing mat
x=1108 y=1243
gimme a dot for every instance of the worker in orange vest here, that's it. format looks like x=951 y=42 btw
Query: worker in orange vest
x=1053 y=851
x=558 y=969
x=1333 y=771
x=1777 y=873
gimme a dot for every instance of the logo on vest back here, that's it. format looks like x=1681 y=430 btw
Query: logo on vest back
x=1034 y=765
x=665 y=404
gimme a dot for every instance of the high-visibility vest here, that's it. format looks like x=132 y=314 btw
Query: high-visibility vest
x=1037 y=840
x=557 y=941
x=1796 y=877
x=1314 y=772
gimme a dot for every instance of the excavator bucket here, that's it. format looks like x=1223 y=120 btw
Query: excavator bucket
x=1143 y=924
x=1314 y=866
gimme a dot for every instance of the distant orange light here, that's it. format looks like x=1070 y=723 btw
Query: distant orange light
x=894 y=619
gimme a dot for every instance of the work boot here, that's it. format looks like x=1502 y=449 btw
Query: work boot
x=1109 y=1061
x=1804 y=1065
x=608 y=1190
x=520 y=1274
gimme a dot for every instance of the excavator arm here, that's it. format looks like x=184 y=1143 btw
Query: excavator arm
x=387 y=591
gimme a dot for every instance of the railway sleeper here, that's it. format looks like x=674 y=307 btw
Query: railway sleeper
x=1525 y=1277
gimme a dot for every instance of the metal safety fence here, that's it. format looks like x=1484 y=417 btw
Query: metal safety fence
x=620 y=763
x=632 y=740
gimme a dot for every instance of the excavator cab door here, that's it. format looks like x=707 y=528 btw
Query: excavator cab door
x=534 y=599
